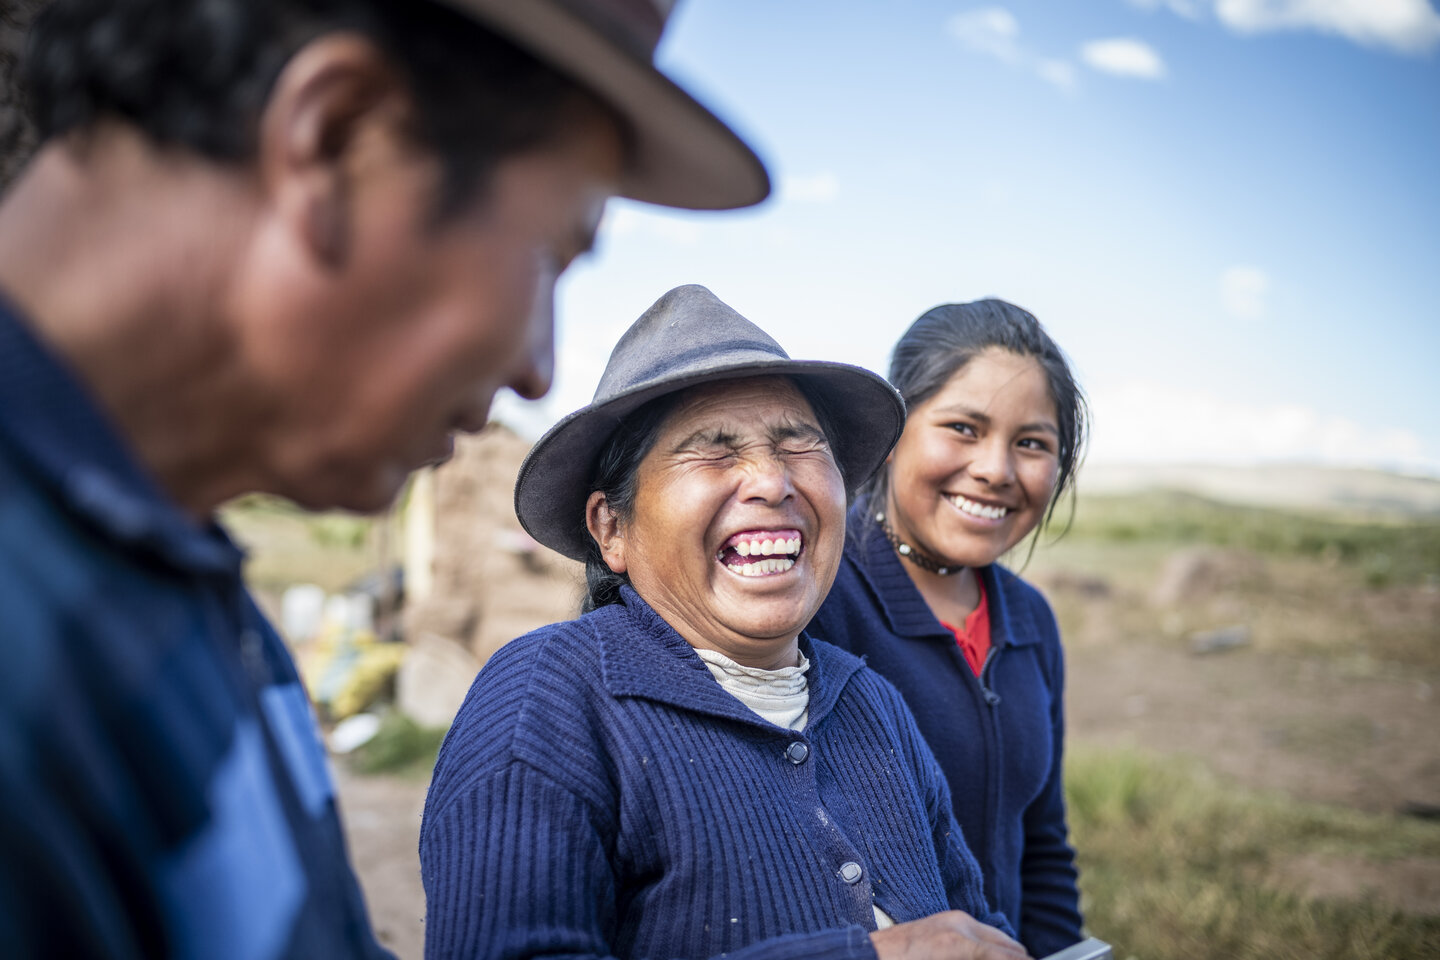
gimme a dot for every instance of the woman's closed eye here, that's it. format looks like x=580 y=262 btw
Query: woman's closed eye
x=717 y=455
x=800 y=447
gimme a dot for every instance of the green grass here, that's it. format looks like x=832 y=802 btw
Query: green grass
x=1397 y=551
x=1306 y=584
x=401 y=748
x=1177 y=864
x=288 y=545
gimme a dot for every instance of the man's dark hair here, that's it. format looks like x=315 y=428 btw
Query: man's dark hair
x=943 y=340
x=195 y=74
x=618 y=467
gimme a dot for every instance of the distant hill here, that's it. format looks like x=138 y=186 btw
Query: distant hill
x=1279 y=485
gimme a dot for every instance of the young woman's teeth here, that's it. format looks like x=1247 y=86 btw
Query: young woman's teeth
x=979 y=509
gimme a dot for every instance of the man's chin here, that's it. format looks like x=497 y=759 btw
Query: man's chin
x=357 y=492
x=442 y=458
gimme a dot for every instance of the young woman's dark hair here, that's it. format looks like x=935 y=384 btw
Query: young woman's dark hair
x=617 y=469
x=943 y=340
x=195 y=74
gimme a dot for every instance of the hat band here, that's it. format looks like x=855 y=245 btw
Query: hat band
x=691 y=363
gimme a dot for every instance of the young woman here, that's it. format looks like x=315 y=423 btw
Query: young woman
x=993 y=434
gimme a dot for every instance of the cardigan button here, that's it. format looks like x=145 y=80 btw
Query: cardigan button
x=851 y=872
x=797 y=752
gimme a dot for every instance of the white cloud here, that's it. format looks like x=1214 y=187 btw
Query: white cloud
x=1144 y=422
x=1244 y=292
x=1124 y=57
x=994 y=32
x=624 y=220
x=1409 y=26
x=1404 y=26
x=822 y=187
x=1057 y=72
x=1189 y=9
x=989 y=30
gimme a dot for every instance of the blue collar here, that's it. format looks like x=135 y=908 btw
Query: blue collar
x=56 y=431
x=653 y=662
x=905 y=609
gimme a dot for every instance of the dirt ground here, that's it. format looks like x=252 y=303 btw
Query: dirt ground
x=1303 y=727
x=382 y=824
x=1311 y=729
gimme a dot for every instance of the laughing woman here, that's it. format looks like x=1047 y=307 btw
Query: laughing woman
x=995 y=427
x=680 y=772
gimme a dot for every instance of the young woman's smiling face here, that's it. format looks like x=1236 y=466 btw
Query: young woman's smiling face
x=974 y=471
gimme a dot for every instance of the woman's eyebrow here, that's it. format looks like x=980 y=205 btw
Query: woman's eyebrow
x=708 y=437
x=797 y=431
x=970 y=412
x=984 y=418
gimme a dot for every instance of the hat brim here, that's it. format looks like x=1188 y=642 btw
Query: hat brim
x=684 y=156
x=554 y=481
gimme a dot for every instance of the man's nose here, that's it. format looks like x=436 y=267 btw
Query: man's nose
x=537 y=362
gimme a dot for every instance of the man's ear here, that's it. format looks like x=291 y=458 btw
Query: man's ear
x=607 y=530
x=328 y=102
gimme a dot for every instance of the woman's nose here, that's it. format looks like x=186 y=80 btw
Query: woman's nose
x=993 y=463
x=766 y=478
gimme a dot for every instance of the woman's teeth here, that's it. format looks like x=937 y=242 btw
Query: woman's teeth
x=978 y=509
x=761 y=553
x=763 y=567
x=767 y=547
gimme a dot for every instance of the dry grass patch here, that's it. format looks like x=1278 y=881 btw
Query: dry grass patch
x=1179 y=864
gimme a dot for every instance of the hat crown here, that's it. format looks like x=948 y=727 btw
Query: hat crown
x=688 y=331
x=636 y=24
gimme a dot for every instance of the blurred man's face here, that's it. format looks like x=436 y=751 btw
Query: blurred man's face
x=425 y=322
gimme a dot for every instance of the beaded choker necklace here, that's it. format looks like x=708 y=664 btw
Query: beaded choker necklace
x=914 y=556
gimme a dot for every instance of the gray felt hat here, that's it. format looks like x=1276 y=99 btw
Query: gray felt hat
x=687 y=338
x=684 y=156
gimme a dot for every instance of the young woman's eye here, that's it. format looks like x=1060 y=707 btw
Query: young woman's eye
x=1035 y=443
x=964 y=429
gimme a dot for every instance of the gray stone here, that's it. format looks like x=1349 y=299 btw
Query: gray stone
x=1217 y=641
x=433 y=680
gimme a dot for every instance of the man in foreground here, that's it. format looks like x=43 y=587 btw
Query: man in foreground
x=265 y=246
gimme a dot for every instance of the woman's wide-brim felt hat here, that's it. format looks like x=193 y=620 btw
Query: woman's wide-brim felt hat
x=689 y=337
x=683 y=155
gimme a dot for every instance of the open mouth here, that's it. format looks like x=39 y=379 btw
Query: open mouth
x=761 y=553
x=975 y=508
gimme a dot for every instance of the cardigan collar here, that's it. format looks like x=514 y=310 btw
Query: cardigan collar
x=905 y=609
x=653 y=662
x=51 y=421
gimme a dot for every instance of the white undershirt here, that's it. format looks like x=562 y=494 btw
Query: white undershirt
x=779 y=696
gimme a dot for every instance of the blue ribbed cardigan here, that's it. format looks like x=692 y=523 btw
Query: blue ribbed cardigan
x=600 y=794
x=998 y=738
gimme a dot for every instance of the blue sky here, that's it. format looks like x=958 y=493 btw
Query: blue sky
x=1227 y=212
